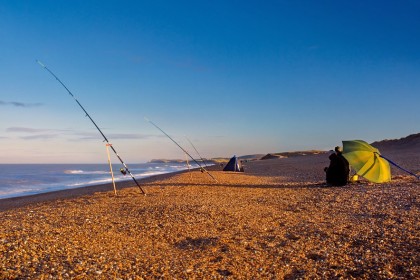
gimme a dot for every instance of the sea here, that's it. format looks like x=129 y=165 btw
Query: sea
x=27 y=179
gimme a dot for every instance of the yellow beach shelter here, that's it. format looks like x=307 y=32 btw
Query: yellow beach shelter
x=367 y=161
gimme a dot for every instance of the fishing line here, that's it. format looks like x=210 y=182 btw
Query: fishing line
x=202 y=168
x=197 y=152
x=97 y=127
x=396 y=165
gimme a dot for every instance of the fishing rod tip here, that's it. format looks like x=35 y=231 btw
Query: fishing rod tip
x=146 y=119
x=40 y=63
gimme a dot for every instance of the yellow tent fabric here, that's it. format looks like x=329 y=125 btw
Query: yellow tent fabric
x=367 y=161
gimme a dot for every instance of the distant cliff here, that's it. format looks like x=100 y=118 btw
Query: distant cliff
x=411 y=142
x=179 y=161
x=167 y=161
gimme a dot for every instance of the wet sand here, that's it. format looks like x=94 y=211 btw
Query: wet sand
x=278 y=220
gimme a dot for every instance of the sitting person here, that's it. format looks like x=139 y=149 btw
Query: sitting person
x=337 y=173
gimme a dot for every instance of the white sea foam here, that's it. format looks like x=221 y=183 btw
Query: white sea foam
x=86 y=172
x=73 y=171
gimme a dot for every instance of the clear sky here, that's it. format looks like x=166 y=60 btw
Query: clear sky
x=235 y=77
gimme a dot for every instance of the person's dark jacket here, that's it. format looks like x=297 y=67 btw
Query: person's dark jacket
x=338 y=171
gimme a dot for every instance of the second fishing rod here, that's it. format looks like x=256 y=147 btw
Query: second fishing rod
x=202 y=168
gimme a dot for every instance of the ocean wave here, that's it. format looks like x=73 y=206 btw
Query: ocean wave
x=151 y=173
x=22 y=191
x=93 y=182
x=73 y=171
x=178 y=167
x=78 y=172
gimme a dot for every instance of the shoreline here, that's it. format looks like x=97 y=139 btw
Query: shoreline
x=21 y=201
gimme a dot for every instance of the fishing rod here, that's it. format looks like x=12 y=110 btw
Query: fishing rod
x=97 y=127
x=202 y=168
x=396 y=165
x=197 y=152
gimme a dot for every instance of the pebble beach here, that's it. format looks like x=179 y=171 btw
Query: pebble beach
x=277 y=220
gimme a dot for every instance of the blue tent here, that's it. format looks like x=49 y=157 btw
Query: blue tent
x=234 y=165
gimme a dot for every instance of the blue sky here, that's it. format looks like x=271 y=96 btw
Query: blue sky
x=235 y=77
